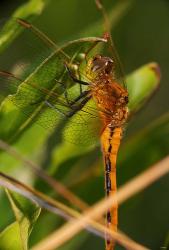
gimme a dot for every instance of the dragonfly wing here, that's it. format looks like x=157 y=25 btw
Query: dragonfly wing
x=84 y=127
x=50 y=108
x=40 y=95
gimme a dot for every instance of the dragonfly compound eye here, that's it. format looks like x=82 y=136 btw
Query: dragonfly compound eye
x=103 y=64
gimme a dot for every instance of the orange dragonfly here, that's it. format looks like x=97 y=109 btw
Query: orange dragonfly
x=101 y=94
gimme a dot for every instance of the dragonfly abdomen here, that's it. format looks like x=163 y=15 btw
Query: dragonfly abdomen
x=110 y=139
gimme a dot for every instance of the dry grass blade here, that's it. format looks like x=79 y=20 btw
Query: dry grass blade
x=128 y=190
x=56 y=185
x=41 y=199
x=61 y=210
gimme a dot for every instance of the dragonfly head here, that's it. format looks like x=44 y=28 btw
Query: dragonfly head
x=102 y=64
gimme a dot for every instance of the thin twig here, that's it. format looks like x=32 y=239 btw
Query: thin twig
x=134 y=186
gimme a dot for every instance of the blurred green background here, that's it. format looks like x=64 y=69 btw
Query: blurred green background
x=141 y=35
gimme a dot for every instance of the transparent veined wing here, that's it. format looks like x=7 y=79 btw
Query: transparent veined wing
x=45 y=83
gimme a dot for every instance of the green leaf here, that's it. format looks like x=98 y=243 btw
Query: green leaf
x=26 y=214
x=27 y=11
x=141 y=84
x=10 y=238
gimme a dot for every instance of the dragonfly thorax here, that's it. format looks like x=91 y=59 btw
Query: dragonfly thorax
x=110 y=96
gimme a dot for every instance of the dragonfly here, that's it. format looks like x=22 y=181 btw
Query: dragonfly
x=94 y=94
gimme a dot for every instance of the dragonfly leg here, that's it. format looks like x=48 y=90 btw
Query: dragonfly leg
x=80 y=85
x=49 y=105
x=80 y=89
x=78 y=107
x=83 y=94
x=74 y=108
x=74 y=78
x=55 y=108
x=65 y=91
x=66 y=97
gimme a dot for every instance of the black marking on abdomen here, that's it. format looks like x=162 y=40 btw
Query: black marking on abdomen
x=108 y=182
x=108 y=169
x=107 y=175
x=108 y=217
x=112 y=132
x=111 y=135
x=110 y=148
x=108 y=165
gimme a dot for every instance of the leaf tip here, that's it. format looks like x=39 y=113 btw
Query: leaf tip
x=156 y=69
